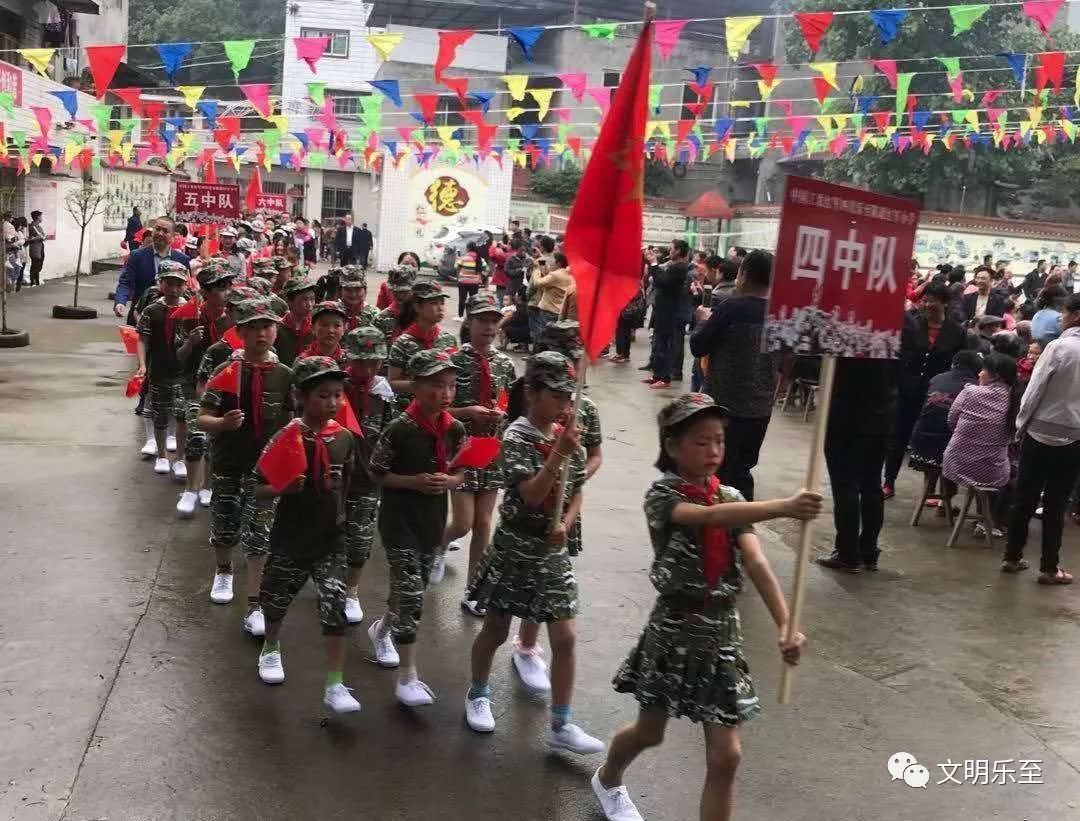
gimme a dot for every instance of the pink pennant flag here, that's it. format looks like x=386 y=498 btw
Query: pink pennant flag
x=576 y=82
x=327 y=116
x=310 y=49
x=666 y=33
x=89 y=125
x=343 y=158
x=142 y=154
x=405 y=132
x=315 y=137
x=298 y=161
x=44 y=120
x=957 y=85
x=258 y=95
x=602 y=95
x=1043 y=13
x=888 y=68
x=562 y=113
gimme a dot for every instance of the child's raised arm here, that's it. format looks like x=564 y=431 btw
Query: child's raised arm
x=803 y=505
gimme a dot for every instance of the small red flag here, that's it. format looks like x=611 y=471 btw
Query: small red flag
x=227 y=379
x=603 y=234
x=130 y=337
x=189 y=310
x=477 y=452
x=284 y=459
x=503 y=401
x=347 y=419
x=254 y=189
x=134 y=386
x=233 y=338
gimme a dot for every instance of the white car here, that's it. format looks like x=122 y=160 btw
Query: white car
x=457 y=238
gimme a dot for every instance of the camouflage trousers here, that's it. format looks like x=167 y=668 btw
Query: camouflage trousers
x=410 y=569
x=284 y=577
x=360 y=529
x=164 y=401
x=237 y=516
x=195 y=448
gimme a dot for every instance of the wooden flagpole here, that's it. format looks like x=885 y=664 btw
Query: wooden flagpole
x=813 y=477
x=564 y=475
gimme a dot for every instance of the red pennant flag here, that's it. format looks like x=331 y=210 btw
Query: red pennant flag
x=254 y=189
x=814 y=27
x=1042 y=12
x=284 y=459
x=310 y=49
x=667 y=35
x=449 y=42
x=104 y=60
x=881 y=119
x=1052 y=64
x=227 y=379
x=153 y=109
x=477 y=452
x=133 y=97
x=134 y=386
x=209 y=173
x=683 y=131
x=258 y=95
x=575 y=145
x=767 y=71
x=822 y=88
x=233 y=338
x=888 y=68
x=603 y=234
x=428 y=103
x=130 y=337
x=485 y=133
x=347 y=418
x=459 y=85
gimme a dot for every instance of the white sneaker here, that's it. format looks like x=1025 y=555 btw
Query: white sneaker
x=185 y=508
x=615 y=802
x=354 y=613
x=340 y=700
x=473 y=607
x=221 y=592
x=438 y=569
x=573 y=739
x=255 y=623
x=205 y=496
x=414 y=693
x=458 y=544
x=271 y=670
x=386 y=655
x=170 y=443
x=478 y=714
x=150 y=448
x=179 y=470
x=162 y=466
x=531 y=669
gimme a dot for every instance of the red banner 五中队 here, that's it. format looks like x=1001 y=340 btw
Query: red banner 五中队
x=210 y=203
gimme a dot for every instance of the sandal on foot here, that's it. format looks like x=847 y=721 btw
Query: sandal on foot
x=1014 y=567
x=1060 y=577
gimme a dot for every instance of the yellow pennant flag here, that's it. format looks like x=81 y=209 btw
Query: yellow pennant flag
x=385 y=43
x=1076 y=96
x=3 y=148
x=183 y=140
x=543 y=97
x=234 y=161
x=191 y=94
x=37 y=158
x=826 y=70
x=826 y=123
x=280 y=121
x=889 y=132
x=841 y=120
x=115 y=136
x=1036 y=116
x=740 y=103
x=729 y=150
x=972 y=118
x=126 y=150
x=765 y=89
x=516 y=84
x=514 y=112
x=520 y=158
x=446 y=134
x=39 y=58
x=738 y=31
x=71 y=150
x=1040 y=136
x=1025 y=127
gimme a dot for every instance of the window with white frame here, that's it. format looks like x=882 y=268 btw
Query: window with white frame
x=336 y=203
x=339 y=40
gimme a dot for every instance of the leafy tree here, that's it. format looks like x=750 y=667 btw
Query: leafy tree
x=84 y=204
x=561 y=185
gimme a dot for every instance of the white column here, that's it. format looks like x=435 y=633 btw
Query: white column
x=313 y=188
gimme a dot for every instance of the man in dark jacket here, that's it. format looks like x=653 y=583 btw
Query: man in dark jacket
x=518 y=268
x=367 y=242
x=670 y=284
x=985 y=301
x=134 y=224
x=140 y=270
x=1033 y=282
x=349 y=243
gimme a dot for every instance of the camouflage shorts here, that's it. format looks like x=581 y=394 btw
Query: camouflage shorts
x=284 y=577
x=164 y=401
x=195 y=449
x=237 y=516
x=360 y=529
x=409 y=572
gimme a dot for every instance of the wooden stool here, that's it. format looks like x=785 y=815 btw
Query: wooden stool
x=930 y=491
x=810 y=402
x=981 y=496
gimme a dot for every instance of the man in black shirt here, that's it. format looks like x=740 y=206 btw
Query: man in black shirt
x=669 y=287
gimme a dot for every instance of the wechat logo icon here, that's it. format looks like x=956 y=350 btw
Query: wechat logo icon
x=904 y=767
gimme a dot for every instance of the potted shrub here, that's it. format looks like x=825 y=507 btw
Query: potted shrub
x=84 y=204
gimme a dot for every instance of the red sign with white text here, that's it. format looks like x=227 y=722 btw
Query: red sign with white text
x=272 y=202
x=842 y=264
x=207 y=202
x=11 y=82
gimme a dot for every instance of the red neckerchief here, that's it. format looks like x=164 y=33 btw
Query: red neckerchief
x=715 y=548
x=320 y=463
x=425 y=338
x=210 y=323
x=313 y=350
x=170 y=322
x=437 y=427
x=301 y=329
x=257 y=371
x=483 y=382
x=360 y=395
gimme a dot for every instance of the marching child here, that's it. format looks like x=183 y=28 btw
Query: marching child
x=526 y=571
x=353 y=294
x=401 y=313
x=307 y=540
x=689 y=660
x=328 y=326
x=412 y=461
x=422 y=335
x=246 y=402
x=296 y=332
x=219 y=352
x=372 y=402
x=158 y=363
x=484 y=374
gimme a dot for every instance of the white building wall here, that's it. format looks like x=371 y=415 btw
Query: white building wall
x=482 y=52
x=103 y=29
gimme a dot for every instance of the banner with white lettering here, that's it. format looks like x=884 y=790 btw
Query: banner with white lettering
x=207 y=202
x=842 y=264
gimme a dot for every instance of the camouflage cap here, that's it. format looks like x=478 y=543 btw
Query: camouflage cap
x=281 y=262
x=310 y=368
x=429 y=363
x=428 y=290
x=241 y=293
x=260 y=284
x=297 y=285
x=563 y=337
x=168 y=269
x=482 y=303
x=552 y=370
x=264 y=265
x=213 y=272
x=252 y=310
x=279 y=305
x=353 y=276
x=328 y=308
x=401 y=278
x=687 y=405
x=364 y=343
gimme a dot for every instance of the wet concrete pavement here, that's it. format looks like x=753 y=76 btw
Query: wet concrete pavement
x=124 y=694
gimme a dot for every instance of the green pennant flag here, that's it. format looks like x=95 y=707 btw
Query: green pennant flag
x=371 y=111
x=316 y=159
x=959 y=116
x=671 y=148
x=829 y=101
x=600 y=31
x=95 y=162
x=271 y=137
x=813 y=145
x=317 y=92
x=7 y=102
x=564 y=132
x=762 y=125
x=102 y=113
x=654 y=96
x=903 y=83
x=128 y=124
x=19 y=138
x=239 y=54
x=857 y=121
x=964 y=17
x=952 y=65
x=513 y=144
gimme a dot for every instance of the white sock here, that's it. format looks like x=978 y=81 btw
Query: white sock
x=148 y=427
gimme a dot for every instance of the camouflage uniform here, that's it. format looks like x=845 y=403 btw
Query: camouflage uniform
x=400 y=281
x=411 y=523
x=312 y=349
x=520 y=574
x=236 y=514
x=292 y=339
x=688 y=661
x=165 y=399
x=374 y=412
x=308 y=535
x=406 y=345
x=353 y=276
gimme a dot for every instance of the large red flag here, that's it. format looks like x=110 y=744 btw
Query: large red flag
x=254 y=189
x=227 y=379
x=603 y=235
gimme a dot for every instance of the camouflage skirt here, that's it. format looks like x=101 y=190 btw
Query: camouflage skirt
x=522 y=577
x=478 y=480
x=689 y=664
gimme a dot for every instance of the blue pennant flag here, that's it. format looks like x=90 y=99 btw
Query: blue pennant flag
x=701 y=74
x=208 y=108
x=390 y=88
x=56 y=151
x=172 y=55
x=302 y=138
x=169 y=135
x=526 y=37
x=285 y=158
x=1066 y=112
x=544 y=144
x=864 y=104
x=239 y=150
x=920 y=119
x=528 y=132
x=176 y=122
x=723 y=126
x=888 y=22
x=391 y=146
x=484 y=98
x=798 y=144
x=1017 y=62
x=70 y=99
x=945 y=128
x=895 y=139
x=416 y=115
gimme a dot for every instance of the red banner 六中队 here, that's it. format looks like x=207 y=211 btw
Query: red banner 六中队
x=271 y=202
x=843 y=259
x=207 y=202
